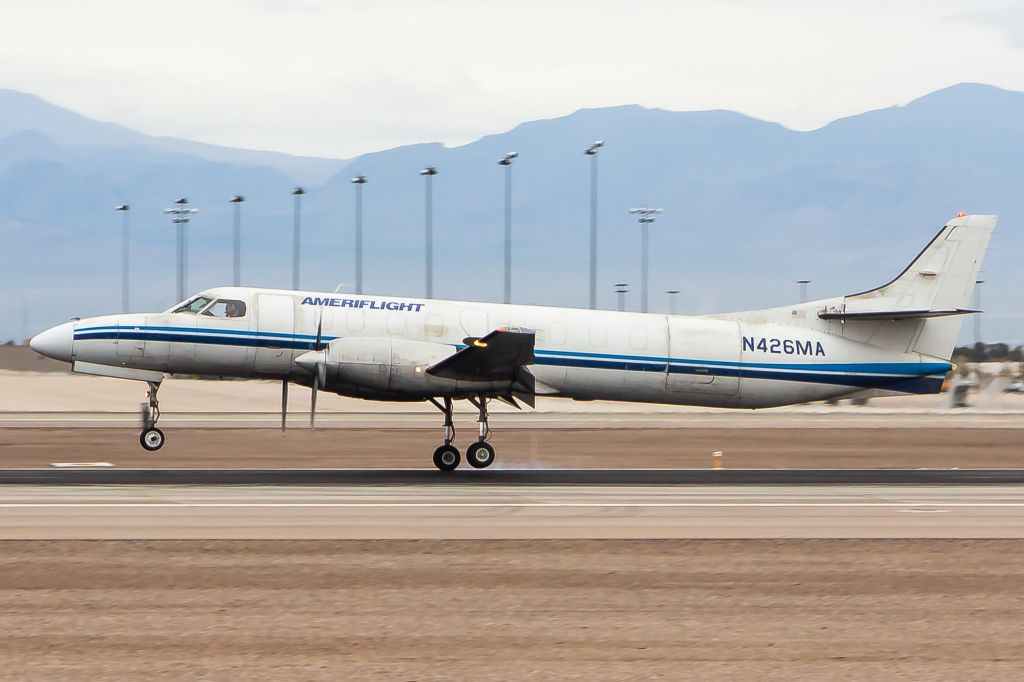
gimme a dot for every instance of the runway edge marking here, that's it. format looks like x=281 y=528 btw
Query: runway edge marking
x=533 y=477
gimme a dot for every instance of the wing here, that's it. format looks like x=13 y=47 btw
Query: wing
x=498 y=356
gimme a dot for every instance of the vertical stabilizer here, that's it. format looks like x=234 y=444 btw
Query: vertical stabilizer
x=931 y=295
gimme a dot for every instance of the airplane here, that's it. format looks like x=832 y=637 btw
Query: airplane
x=894 y=339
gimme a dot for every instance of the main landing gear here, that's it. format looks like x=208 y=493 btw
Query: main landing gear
x=151 y=438
x=480 y=454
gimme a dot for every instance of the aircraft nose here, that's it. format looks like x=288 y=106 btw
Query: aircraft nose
x=55 y=342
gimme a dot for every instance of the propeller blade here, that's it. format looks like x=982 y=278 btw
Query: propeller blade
x=284 y=405
x=318 y=368
x=312 y=407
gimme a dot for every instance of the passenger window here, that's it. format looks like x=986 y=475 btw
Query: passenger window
x=226 y=309
x=396 y=323
x=433 y=325
x=355 y=320
x=193 y=306
x=556 y=333
x=598 y=336
x=638 y=339
x=474 y=322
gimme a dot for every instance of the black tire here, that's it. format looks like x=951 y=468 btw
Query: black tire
x=152 y=439
x=480 y=455
x=447 y=458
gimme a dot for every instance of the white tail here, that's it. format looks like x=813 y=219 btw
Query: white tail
x=922 y=309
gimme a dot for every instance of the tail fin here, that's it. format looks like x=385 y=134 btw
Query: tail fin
x=927 y=300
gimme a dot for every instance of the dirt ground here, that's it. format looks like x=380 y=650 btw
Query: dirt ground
x=587 y=610
x=24 y=359
x=525 y=448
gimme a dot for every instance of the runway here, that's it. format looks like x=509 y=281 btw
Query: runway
x=497 y=477
x=490 y=512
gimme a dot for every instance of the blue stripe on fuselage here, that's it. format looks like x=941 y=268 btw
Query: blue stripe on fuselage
x=925 y=377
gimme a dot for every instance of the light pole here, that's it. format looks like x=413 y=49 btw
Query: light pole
x=296 y=233
x=428 y=174
x=24 y=322
x=181 y=215
x=803 y=289
x=977 y=306
x=506 y=161
x=359 y=181
x=125 y=227
x=645 y=216
x=591 y=151
x=622 y=288
x=238 y=200
x=672 y=293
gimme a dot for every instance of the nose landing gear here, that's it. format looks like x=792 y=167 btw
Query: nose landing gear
x=151 y=438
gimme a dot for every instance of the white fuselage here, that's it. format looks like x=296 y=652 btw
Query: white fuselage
x=723 y=360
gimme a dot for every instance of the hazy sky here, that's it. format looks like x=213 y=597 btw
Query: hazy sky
x=340 y=78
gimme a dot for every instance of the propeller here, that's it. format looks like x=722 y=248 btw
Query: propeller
x=284 y=405
x=319 y=370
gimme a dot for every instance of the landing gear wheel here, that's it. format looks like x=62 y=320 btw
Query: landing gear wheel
x=480 y=455
x=152 y=439
x=447 y=458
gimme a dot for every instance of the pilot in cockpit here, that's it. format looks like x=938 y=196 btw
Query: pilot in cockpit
x=234 y=309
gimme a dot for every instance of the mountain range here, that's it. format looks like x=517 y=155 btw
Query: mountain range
x=749 y=208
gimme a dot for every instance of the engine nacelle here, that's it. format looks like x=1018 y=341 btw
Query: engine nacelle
x=375 y=367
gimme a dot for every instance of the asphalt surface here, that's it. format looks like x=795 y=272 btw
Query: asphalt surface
x=607 y=447
x=509 y=512
x=499 y=477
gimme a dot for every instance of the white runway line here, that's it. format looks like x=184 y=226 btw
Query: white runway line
x=499 y=505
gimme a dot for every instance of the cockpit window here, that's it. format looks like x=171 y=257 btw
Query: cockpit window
x=193 y=306
x=226 y=308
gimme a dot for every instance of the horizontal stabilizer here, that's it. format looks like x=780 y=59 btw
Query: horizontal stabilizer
x=851 y=315
x=498 y=356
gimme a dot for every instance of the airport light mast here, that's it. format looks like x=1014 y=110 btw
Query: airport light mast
x=591 y=151
x=645 y=216
x=237 y=202
x=506 y=161
x=428 y=174
x=672 y=294
x=125 y=210
x=622 y=288
x=803 y=289
x=359 y=181
x=977 y=306
x=296 y=234
x=181 y=214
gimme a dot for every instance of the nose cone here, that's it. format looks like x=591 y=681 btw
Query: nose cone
x=55 y=342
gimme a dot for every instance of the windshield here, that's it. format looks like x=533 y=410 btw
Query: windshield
x=193 y=306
